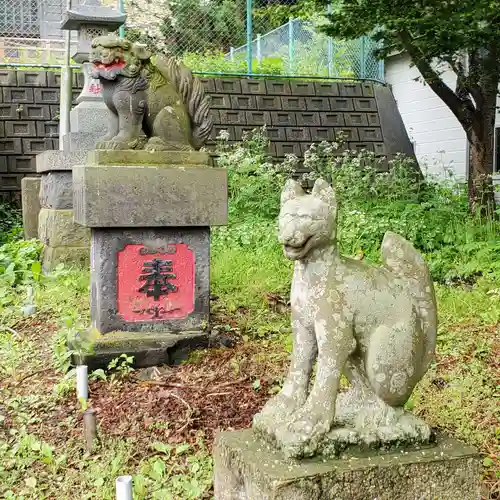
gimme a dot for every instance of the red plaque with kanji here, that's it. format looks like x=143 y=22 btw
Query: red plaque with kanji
x=155 y=284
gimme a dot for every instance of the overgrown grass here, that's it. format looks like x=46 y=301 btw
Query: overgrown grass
x=459 y=394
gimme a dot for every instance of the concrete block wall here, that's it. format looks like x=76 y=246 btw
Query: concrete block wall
x=296 y=113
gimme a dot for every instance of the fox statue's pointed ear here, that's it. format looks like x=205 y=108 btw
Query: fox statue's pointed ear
x=324 y=192
x=291 y=190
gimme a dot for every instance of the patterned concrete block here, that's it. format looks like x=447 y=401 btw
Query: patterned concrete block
x=282 y=119
x=217 y=129
x=2 y=130
x=3 y=164
x=47 y=96
x=367 y=88
x=243 y=102
x=32 y=78
x=341 y=104
x=8 y=111
x=302 y=88
x=10 y=182
x=319 y=134
x=283 y=148
x=350 y=89
x=349 y=133
x=241 y=130
x=356 y=119
x=370 y=134
x=47 y=129
x=208 y=85
x=228 y=86
x=293 y=103
x=8 y=77
x=36 y=112
x=34 y=146
x=253 y=87
x=309 y=119
x=268 y=103
x=20 y=129
x=258 y=117
x=373 y=119
x=358 y=146
x=379 y=148
x=21 y=164
x=298 y=134
x=220 y=102
x=276 y=133
x=317 y=104
x=18 y=95
x=365 y=104
x=11 y=146
x=278 y=87
x=232 y=117
x=326 y=89
x=54 y=78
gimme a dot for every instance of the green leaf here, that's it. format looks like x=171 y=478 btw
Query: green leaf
x=99 y=482
x=488 y=462
x=182 y=448
x=256 y=384
x=166 y=449
x=36 y=269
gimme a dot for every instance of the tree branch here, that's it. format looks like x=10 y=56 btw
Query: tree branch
x=463 y=110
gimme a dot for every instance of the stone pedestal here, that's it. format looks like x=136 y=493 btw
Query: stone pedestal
x=247 y=469
x=30 y=189
x=150 y=215
x=65 y=242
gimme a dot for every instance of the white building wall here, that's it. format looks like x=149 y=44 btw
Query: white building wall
x=439 y=139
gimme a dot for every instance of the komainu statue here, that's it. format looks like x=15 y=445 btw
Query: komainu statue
x=155 y=95
x=375 y=325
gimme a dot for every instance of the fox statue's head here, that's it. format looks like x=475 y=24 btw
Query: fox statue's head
x=306 y=221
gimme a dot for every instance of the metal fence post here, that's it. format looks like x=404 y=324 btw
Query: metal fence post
x=249 y=37
x=66 y=88
x=291 y=48
x=231 y=54
x=121 y=9
x=381 y=70
x=330 y=47
x=259 y=50
x=362 y=56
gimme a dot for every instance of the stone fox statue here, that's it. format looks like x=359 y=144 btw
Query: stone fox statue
x=160 y=98
x=376 y=325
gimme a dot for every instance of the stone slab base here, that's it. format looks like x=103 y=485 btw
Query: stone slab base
x=69 y=256
x=57 y=229
x=30 y=188
x=148 y=349
x=247 y=469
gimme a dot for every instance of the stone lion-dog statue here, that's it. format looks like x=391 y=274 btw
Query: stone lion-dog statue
x=375 y=325
x=156 y=96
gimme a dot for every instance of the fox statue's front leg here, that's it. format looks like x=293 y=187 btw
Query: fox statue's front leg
x=293 y=395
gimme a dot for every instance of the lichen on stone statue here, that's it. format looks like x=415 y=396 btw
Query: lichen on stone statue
x=376 y=325
x=154 y=102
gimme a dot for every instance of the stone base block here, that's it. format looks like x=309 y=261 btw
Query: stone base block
x=247 y=469
x=56 y=190
x=57 y=229
x=148 y=349
x=69 y=256
x=30 y=188
x=55 y=160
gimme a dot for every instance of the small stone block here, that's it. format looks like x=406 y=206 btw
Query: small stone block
x=148 y=349
x=253 y=87
x=50 y=161
x=320 y=134
x=47 y=129
x=34 y=146
x=246 y=469
x=332 y=119
x=149 y=196
x=242 y=130
x=2 y=129
x=303 y=88
x=232 y=117
x=30 y=187
x=243 y=102
x=3 y=164
x=318 y=104
x=208 y=85
x=20 y=129
x=32 y=78
x=276 y=133
x=69 y=256
x=281 y=119
x=56 y=190
x=379 y=148
x=350 y=90
x=54 y=79
x=298 y=134
x=341 y=104
x=21 y=164
x=228 y=85
x=370 y=134
x=368 y=89
x=349 y=134
x=310 y=119
x=47 y=96
x=356 y=119
x=359 y=146
x=142 y=157
x=11 y=146
x=293 y=103
x=278 y=87
x=57 y=229
x=119 y=297
x=283 y=149
x=8 y=78
x=326 y=89
x=217 y=129
x=220 y=101
x=36 y=112
x=268 y=102
x=8 y=111
x=18 y=95
x=373 y=119
x=365 y=104
x=10 y=182
x=258 y=118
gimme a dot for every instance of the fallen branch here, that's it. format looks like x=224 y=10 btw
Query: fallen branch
x=32 y=374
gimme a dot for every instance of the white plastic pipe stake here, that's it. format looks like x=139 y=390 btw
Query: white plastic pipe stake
x=82 y=382
x=124 y=488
